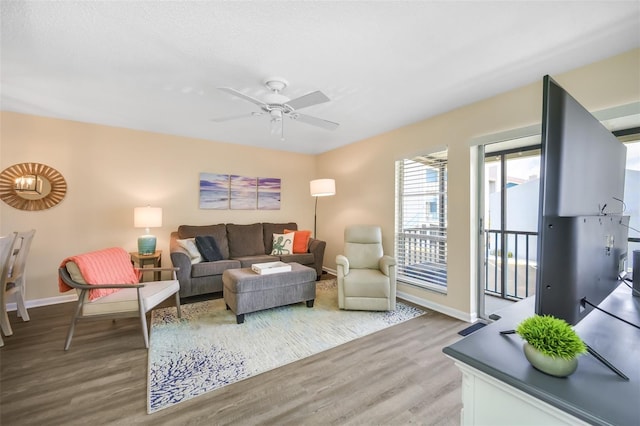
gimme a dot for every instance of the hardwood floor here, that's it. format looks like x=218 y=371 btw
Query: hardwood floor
x=393 y=377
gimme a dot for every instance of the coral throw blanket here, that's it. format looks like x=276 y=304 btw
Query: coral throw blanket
x=108 y=266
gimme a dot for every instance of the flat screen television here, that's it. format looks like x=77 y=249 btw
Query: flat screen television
x=582 y=234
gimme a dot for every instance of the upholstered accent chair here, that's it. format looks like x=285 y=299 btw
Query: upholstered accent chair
x=366 y=276
x=108 y=286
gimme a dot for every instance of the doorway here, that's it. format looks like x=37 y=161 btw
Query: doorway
x=509 y=219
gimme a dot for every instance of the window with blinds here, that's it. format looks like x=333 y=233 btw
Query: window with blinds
x=421 y=220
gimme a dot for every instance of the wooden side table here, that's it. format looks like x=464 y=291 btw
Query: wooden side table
x=154 y=259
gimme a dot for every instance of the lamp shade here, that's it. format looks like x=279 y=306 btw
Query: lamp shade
x=147 y=217
x=322 y=187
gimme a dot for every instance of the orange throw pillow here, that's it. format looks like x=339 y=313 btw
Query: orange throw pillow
x=300 y=240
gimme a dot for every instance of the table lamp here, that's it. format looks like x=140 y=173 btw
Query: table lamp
x=147 y=217
x=321 y=188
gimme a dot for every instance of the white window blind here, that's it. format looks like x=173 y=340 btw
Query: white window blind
x=421 y=220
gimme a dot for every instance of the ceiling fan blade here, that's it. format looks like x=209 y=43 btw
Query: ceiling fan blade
x=308 y=100
x=325 y=124
x=234 y=117
x=241 y=95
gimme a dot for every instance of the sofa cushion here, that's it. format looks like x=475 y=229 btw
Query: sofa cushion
x=206 y=269
x=126 y=299
x=282 y=244
x=218 y=232
x=245 y=240
x=268 y=229
x=207 y=246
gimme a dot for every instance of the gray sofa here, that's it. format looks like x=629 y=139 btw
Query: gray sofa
x=241 y=246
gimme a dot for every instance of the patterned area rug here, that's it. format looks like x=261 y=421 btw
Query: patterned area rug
x=206 y=349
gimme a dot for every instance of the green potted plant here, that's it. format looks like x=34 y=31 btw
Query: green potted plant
x=551 y=345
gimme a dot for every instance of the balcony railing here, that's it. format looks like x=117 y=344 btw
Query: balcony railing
x=422 y=255
x=520 y=258
x=516 y=281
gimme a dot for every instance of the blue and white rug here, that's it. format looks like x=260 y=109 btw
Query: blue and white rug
x=206 y=349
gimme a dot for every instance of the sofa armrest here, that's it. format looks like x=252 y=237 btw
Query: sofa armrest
x=317 y=247
x=183 y=263
x=181 y=260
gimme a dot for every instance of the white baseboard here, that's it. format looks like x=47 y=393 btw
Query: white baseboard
x=463 y=316
x=331 y=271
x=44 y=302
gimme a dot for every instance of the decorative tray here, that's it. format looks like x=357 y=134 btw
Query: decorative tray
x=270 y=268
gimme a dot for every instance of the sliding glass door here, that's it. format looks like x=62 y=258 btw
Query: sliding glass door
x=510 y=223
x=508 y=217
x=631 y=207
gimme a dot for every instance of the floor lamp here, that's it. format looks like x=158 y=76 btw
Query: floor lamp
x=321 y=188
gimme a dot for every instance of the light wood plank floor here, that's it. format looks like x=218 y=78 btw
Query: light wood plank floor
x=394 y=377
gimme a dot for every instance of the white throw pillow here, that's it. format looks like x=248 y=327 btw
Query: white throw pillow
x=282 y=244
x=190 y=246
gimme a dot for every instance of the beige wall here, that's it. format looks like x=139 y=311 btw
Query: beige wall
x=109 y=171
x=364 y=171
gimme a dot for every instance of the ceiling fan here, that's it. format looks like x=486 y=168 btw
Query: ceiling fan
x=278 y=106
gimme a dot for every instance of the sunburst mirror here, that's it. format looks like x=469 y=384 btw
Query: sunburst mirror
x=32 y=186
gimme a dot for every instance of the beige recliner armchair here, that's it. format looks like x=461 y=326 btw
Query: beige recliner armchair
x=366 y=277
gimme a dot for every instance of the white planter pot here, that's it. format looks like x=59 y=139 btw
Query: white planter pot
x=558 y=367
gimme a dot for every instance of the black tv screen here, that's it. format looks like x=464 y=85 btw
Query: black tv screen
x=582 y=234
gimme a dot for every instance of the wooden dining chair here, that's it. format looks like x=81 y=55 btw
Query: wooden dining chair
x=16 y=279
x=6 y=247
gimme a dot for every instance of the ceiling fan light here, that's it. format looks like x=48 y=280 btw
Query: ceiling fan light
x=275 y=99
x=276 y=114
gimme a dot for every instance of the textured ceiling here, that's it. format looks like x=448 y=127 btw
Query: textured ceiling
x=156 y=66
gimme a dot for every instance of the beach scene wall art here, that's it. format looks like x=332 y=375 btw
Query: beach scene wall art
x=269 y=190
x=244 y=192
x=214 y=191
x=222 y=192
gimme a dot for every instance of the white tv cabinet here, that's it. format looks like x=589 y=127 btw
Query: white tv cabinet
x=500 y=387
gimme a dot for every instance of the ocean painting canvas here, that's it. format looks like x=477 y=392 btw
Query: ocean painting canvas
x=214 y=191
x=244 y=191
x=269 y=190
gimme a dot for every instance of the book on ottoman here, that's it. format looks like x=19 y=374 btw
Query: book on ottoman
x=270 y=268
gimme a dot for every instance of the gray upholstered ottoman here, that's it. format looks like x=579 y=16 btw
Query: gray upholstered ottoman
x=246 y=291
